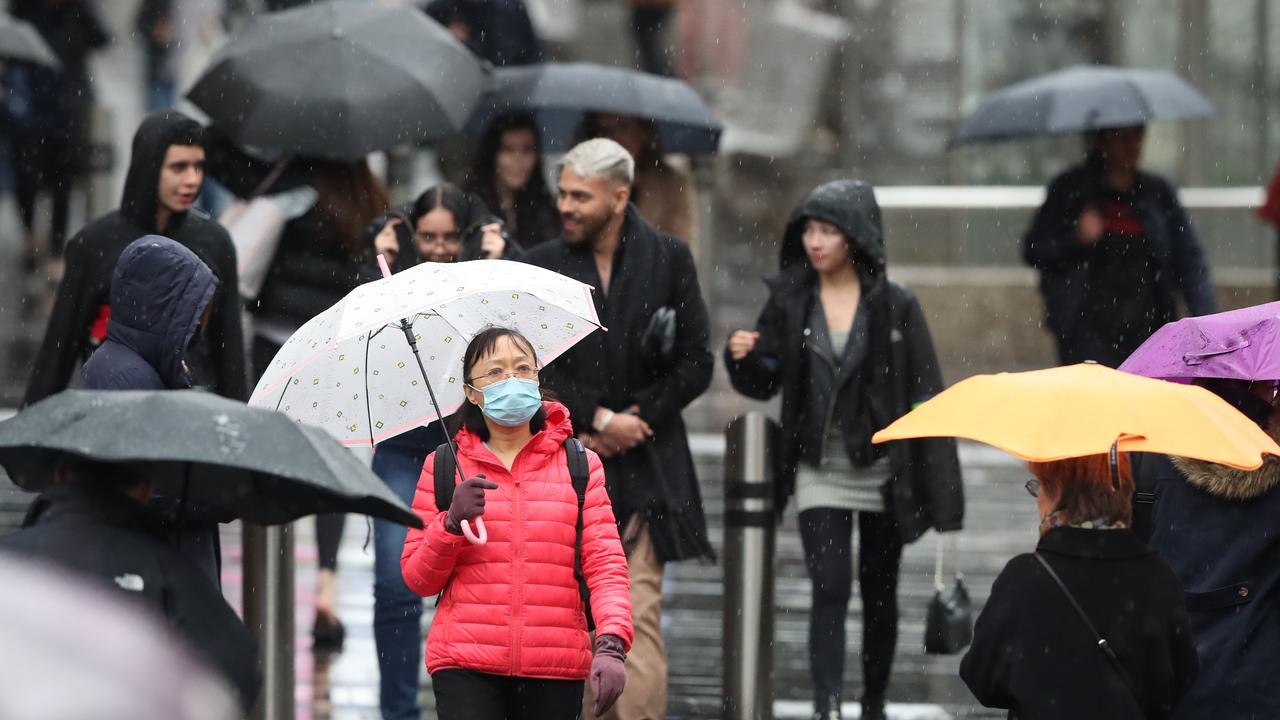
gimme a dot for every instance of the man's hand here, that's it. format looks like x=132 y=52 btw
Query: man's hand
x=621 y=431
x=591 y=443
x=1090 y=227
x=386 y=243
x=742 y=343
x=492 y=244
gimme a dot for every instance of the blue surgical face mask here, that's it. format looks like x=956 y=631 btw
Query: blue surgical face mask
x=511 y=402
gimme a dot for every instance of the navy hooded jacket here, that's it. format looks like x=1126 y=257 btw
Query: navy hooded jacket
x=158 y=293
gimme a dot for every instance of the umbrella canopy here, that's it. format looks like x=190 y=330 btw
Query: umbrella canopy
x=561 y=94
x=1239 y=344
x=1084 y=409
x=20 y=41
x=256 y=463
x=351 y=371
x=1080 y=98
x=339 y=80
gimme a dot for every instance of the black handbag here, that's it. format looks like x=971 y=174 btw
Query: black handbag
x=948 y=626
x=658 y=344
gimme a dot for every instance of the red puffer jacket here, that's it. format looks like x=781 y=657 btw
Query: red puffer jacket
x=512 y=607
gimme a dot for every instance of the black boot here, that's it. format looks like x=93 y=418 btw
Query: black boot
x=873 y=709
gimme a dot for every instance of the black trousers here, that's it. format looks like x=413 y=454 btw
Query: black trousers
x=48 y=164
x=469 y=695
x=827 y=535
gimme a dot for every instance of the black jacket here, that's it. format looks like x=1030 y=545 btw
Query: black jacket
x=900 y=368
x=1033 y=654
x=1050 y=246
x=1215 y=526
x=312 y=268
x=607 y=369
x=102 y=534
x=216 y=356
x=158 y=293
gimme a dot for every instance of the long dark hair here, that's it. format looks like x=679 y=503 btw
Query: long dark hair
x=447 y=196
x=470 y=416
x=349 y=197
x=531 y=200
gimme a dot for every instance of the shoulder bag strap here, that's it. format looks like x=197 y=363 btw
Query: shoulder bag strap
x=1102 y=643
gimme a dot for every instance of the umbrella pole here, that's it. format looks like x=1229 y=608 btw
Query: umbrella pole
x=407 y=328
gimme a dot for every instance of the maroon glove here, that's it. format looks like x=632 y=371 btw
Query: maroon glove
x=608 y=672
x=468 y=502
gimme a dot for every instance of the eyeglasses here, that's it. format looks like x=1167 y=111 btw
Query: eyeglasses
x=1033 y=487
x=522 y=371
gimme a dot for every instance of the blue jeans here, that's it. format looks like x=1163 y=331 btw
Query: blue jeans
x=397 y=610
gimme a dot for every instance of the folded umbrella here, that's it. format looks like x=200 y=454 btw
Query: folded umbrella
x=20 y=41
x=561 y=94
x=1239 y=344
x=339 y=80
x=258 y=464
x=1080 y=98
x=1087 y=409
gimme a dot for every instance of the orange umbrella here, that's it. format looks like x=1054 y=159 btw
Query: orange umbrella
x=1077 y=410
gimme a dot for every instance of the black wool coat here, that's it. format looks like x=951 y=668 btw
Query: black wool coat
x=607 y=369
x=1032 y=653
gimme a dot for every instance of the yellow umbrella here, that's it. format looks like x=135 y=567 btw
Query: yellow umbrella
x=1078 y=410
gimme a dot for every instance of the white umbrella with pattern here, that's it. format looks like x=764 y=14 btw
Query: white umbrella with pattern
x=351 y=370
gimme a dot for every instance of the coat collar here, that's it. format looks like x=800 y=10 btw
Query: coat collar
x=1094 y=544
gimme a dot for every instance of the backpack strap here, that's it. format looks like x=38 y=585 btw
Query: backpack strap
x=444 y=471
x=579 y=473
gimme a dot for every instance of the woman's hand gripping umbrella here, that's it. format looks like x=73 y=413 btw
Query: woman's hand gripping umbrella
x=343 y=372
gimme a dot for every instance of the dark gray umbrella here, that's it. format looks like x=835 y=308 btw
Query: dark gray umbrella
x=562 y=93
x=340 y=80
x=20 y=41
x=259 y=464
x=1080 y=98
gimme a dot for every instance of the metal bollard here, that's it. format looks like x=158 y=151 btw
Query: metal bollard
x=751 y=440
x=268 y=613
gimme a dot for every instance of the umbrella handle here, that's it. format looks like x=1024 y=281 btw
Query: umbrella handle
x=382 y=265
x=480 y=539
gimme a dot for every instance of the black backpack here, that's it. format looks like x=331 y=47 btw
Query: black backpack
x=579 y=473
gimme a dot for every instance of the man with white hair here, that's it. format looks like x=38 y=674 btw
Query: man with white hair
x=625 y=388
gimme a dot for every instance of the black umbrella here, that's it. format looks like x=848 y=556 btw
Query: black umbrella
x=256 y=463
x=340 y=80
x=1080 y=98
x=20 y=41
x=562 y=93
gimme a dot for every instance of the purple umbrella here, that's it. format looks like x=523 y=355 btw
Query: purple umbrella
x=1239 y=344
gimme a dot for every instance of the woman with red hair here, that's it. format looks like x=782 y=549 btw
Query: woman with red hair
x=1092 y=624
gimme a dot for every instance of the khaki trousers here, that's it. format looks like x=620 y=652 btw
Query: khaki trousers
x=645 y=697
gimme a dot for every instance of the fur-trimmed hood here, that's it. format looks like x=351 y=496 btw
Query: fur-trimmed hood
x=1230 y=483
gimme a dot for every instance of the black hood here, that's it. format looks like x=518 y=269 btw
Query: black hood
x=150 y=144
x=851 y=206
x=158 y=293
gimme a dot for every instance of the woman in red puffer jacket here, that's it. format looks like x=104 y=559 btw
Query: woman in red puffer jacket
x=509 y=638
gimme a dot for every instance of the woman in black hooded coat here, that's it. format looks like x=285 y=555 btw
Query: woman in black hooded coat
x=850 y=352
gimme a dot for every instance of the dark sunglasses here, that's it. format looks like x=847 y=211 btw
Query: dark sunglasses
x=1033 y=487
